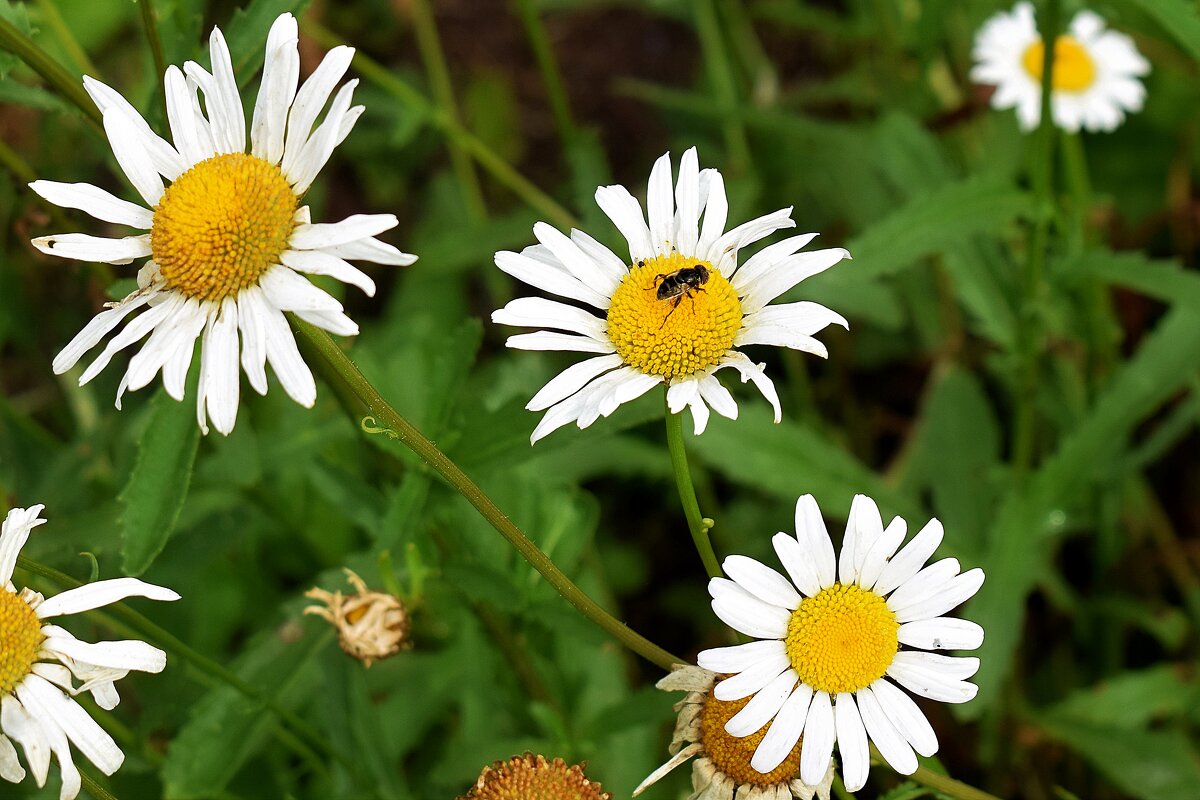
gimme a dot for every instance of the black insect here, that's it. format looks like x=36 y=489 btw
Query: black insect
x=679 y=284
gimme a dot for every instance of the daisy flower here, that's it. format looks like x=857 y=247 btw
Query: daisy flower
x=42 y=661
x=229 y=241
x=677 y=311
x=830 y=640
x=532 y=776
x=722 y=769
x=1096 y=71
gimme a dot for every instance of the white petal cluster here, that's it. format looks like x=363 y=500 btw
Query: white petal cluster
x=40 y=714
x=758 y=601
x=689 y=220
x=1116 y=90
x=249 y=327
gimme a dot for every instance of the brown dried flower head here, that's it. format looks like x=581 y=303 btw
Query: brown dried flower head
x=531 y=777
x=371 y=625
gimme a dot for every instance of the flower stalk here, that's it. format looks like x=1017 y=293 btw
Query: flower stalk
x=378 y=416
x=698 y=524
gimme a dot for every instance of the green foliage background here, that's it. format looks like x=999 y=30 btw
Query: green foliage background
x=859 y=113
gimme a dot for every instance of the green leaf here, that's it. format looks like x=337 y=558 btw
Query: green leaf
x=16 y=15
x=789 y=460
x=1178 y=19
x=1130 y=700
x=1028 y=523
x=932 y=222
x=22 y=94
x=225 y=728
x=1149 y=765
x=154 y=494
x=1162 y=280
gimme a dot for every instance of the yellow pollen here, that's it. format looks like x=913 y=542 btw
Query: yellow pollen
x=20 y=639
x=681 y=334
x=1074 y=70
x=732 y=755
x=221 y=225
x=842 y=639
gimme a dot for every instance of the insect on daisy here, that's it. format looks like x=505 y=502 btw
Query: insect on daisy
x=722 y=769
x=830 y=640
x=40 y=662
x=677 y=312
x=1096 y=71
x=229 y=241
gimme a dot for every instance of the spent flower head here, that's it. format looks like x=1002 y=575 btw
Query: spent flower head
x=834 y=637
x=229 y=239
x=534 y=777
x=40 y=664
x=678 y=310
x=370 y=625
x=1096 y=75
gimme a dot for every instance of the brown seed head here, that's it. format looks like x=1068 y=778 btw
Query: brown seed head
x=371 y=625
x=532 y=777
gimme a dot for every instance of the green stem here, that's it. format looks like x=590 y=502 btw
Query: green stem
x=374 y=409
x=720 y=71
x=53 y=19
x=41 y=62
x=93 y=788
x=176 y=647
x=13 y=162
x=697 y=524
x=434 y=59
x=150 y=25
x=497 y=167
x=548 y=66
x=948 y=786
x=1025 y=423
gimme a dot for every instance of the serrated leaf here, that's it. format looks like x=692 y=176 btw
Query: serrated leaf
x=1163 y=280
x=154 y=494
x=16 y=15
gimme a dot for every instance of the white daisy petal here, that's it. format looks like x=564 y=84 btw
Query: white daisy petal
x=303 y=170
x=571 y=380
x=187 y=320
x=907 y=718
x=605 y=259
x=819 y=735
x=284 y=357
x=716 y=209
x=852 y=742
x=219 y=367
x=370 y=249
x=798 y=566
x=577 y=262
x=128 y=654
x=660 y=206
x=763 y=707
x=941 y=633
x=785 y=274
x=324 y=235
x=165 y=159
x=95 y=201
x=956 y=592
x=740 y=657
x=755 y=373
x=864 y=526
x=82 y=247
x=101 y=593
x=281 y=74
x=892 y=746
x=310 y=99
x=955 y=667
x=316 y=262
x=28 y=732
x=747 y=614
x=766 y=258
x=10 y=766
x=551 y=340
x=761 y=581
x=717 y=396
x=724 y=251
x=784 y=732
x=878 y=554
x=699 y=411
x=931 y=684
x=626 y=213
x=906 y=563
x=813 y=537
x=687 y=202
x=751 y=680
x=47 y=701
x=18 y=522
x=548 y=279
x=925 y=584
x=183 y=119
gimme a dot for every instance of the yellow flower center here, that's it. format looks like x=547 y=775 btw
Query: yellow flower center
x=1074 y=70
x=671 y=323
x=842 y=639
x=20 y=639
x=221 y=225
x=732 y=755
x=531 y=777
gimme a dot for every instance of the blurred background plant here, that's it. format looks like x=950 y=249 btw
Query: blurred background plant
x=1041 y=401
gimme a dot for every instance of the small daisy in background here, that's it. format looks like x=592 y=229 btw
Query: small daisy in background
x=537 y=778
x=40 y=662
x=721 y=769
x=229 y=241
x=830 y=640
x=1096 y=77
x=680 y=309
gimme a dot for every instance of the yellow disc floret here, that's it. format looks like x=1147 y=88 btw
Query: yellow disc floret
x=731 y=754
x=221 y=225
x=1074 y=69
x=679 y=330
x=20 y=638
x=842 y=639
